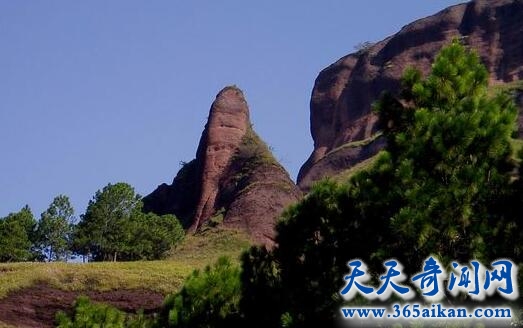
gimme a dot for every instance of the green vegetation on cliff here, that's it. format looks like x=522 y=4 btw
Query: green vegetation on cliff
x=443 y=186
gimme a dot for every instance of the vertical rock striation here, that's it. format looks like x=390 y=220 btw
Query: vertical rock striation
x=227 y=124
x=234 y=179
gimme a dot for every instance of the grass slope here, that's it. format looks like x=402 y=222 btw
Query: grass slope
x=164 y=276
x=160 y=276
x=206 y=246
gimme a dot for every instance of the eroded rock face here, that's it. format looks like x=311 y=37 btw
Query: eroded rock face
x=255 y=190
x=344 y=92
x=234 y=177
x=227 y=124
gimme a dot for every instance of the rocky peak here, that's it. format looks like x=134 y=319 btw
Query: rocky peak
x=234 y=179
x=228 y=121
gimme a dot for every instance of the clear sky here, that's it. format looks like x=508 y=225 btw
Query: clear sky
x=98 y=91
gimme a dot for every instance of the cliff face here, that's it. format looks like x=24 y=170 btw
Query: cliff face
x=341 y=116
x=228 y=121
x=234 y=180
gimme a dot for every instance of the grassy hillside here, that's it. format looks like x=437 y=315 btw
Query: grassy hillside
x=161 y=276
x=208 y=245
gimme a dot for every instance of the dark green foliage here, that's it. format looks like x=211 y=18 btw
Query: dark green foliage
x=450 y=156
x=314 y=223
x=88 y=314
x=54 y=233
x=17 y=233
x=209 y=298
x=103 y=229
x=115 y=228
x=300 y=280
x=153 y=236
x=509 y=240
x=261 y=288
x=443 y=187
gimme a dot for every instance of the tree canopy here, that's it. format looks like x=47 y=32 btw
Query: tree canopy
x=209 y=298
x=17 y=234
x=450 y=158
x=441 y=187
x=55 y=228
x=114 y=227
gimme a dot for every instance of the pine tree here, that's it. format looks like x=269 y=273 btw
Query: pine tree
x=441 y=187
x=17 y=234
x=55 y=228
x=450 y=157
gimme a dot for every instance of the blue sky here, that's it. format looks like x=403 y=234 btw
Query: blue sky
x=93 y=92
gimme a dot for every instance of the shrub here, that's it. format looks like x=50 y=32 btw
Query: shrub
x=209 y=298
x=89 y=314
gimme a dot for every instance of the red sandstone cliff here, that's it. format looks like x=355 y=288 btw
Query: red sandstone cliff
x=234 y=180
x=343 y=126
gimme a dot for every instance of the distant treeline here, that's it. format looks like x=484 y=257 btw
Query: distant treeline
x=113 y=228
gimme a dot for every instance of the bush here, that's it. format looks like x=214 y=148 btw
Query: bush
x=363 y=47
x=209 y=298
x=89 y=314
